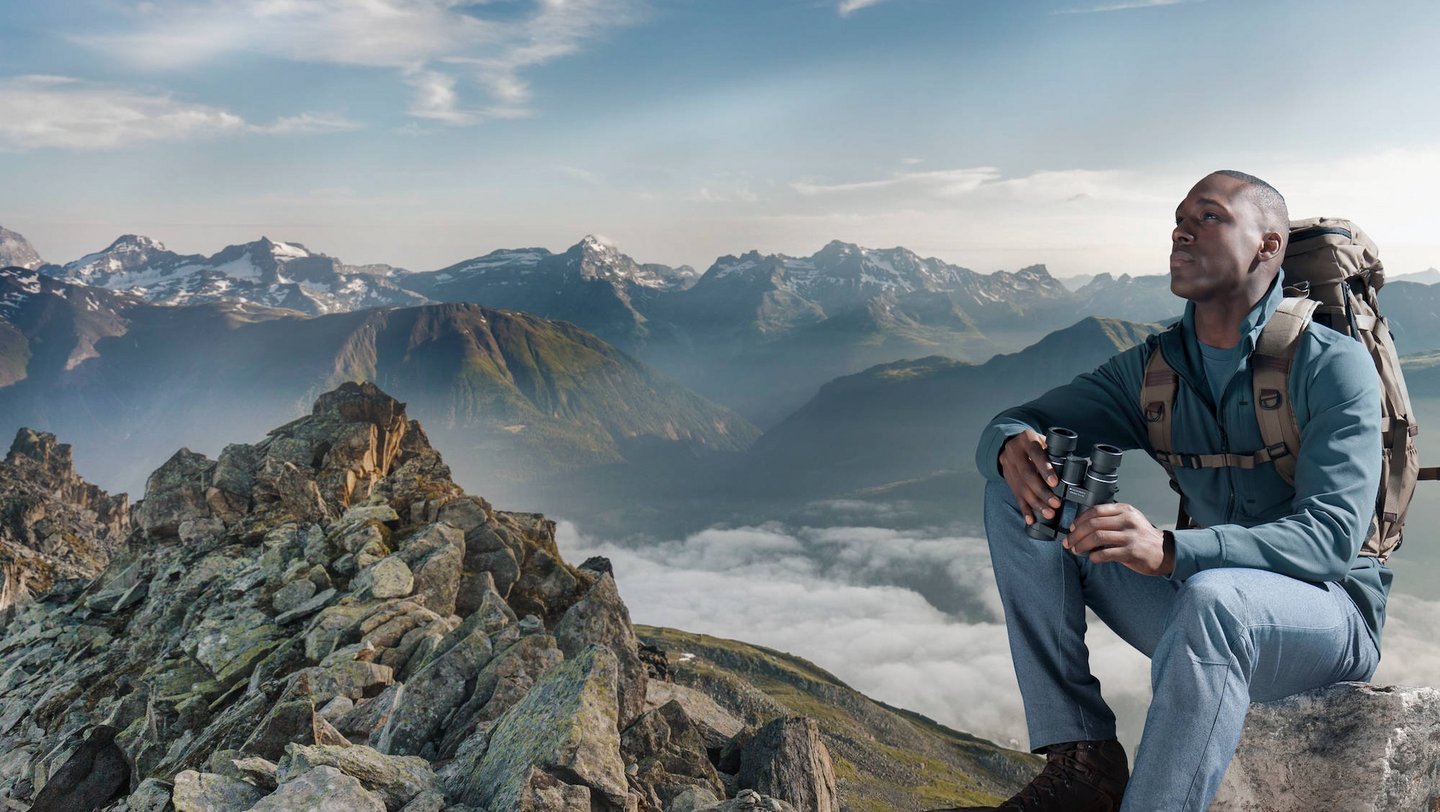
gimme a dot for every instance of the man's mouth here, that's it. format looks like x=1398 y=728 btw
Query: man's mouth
x=1178 y=257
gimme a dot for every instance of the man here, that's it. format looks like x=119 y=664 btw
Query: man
x=1267 y=599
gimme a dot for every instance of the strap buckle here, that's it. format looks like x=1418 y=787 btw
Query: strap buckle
x=1277 y=451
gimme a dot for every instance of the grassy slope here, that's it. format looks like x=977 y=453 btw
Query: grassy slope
x=886 y=759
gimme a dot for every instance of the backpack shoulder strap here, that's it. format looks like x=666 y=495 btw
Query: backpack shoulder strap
x=1157 y=403
x=1157 y=398
x=1270 y=374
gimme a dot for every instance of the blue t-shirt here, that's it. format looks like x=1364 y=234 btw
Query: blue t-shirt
x=1219 y=367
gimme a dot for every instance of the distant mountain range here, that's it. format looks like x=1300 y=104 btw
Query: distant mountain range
x=518 y=396
x=758 y=332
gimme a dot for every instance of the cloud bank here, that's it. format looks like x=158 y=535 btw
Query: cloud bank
x=850 y=600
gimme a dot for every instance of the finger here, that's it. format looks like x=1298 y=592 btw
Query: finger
x=1111 y=555
x=1100 y=539
x=1022 y=498
x=1041 y=494
x=1040 y=462
x=1032 y=500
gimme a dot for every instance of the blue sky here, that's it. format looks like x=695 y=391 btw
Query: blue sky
x=991 y=133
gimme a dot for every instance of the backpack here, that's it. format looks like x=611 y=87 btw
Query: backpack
x=1332 y=271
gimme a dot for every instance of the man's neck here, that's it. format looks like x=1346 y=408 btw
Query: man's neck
x=1218 y=321
x=1219 y=324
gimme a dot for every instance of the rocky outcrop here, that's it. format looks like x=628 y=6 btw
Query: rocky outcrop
x=54 y=526
x=786 y=759
x=1349 y=746
x=323 y=620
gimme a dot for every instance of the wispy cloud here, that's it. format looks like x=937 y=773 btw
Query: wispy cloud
x=462 y=66
x=583 y=176
x=948 y=181
x=1125 y=6
x=307 y=124
x=848 y=7
x=66 y=113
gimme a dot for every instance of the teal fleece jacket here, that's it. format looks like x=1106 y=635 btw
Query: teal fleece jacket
x=1312 y=531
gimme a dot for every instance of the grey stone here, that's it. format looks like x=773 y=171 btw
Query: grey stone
x=437 y=690
x=601 y=617
x=207 y=792
x=1349 y=746
x=427 y=801
x=565 y=725
x=396 y=780
x=670 y=753
x=436 y=558
x=694 y=799
x=152 y=795
x=175 y=493
x=292 y=595
x=787 y=759
x=387 y=578
x=323 y=789
x=365 y=513
x=716 y=725
x=305 y=609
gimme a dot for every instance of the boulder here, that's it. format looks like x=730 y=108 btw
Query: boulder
x=387 y=578
x=787 y=759
x=669 y=755
x=207 y=792
x=174 y=494
x=564 y=727
x=396 y=780
x=601 y=617
x=1350 y=746
x=323 y=789
x=437 y=689
x=716 y=725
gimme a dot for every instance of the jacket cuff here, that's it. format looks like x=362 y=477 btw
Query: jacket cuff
x=992 y=439
x=1196 y=550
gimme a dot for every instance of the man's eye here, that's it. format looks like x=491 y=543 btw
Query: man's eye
x=1210 y=215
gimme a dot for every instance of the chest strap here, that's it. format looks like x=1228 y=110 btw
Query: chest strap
x=1270 y=372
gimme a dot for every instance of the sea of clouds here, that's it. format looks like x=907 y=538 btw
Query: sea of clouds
x=865 y=604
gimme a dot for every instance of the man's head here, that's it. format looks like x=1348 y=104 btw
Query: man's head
x=1229 y=238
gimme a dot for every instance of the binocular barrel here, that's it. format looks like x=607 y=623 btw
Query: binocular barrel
x=1084 y=481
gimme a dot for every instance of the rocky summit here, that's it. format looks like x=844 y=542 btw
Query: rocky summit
x=324 y=620
x=56 y=529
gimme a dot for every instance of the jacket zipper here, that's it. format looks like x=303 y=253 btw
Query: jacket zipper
x=1219 y=423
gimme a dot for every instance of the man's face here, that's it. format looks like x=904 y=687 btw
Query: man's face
x=1218 y=233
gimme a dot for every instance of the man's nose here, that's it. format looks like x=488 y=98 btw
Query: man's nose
x=1180 y=236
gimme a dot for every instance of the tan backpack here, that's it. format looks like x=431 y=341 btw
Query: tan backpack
x=1332 y=271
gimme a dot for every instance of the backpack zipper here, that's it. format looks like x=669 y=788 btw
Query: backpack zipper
x=1321 y=231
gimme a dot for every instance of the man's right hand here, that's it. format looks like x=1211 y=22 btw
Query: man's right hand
x=1027 y=471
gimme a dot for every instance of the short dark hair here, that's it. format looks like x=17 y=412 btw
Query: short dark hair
x=1269 y=200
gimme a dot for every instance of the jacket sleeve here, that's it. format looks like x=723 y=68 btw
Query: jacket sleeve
x=1337 y=477
x=1101 y=406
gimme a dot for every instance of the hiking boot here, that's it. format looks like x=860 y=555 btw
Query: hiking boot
x=1078 y=777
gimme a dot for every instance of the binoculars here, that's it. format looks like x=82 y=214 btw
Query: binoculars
x=1085 y=481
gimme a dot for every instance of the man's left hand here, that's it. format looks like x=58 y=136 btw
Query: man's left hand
x=1119 y=533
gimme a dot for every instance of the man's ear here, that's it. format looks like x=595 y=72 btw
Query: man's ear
x=1270 y=246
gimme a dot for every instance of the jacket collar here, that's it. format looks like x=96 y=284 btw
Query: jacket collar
x=1249 y=328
